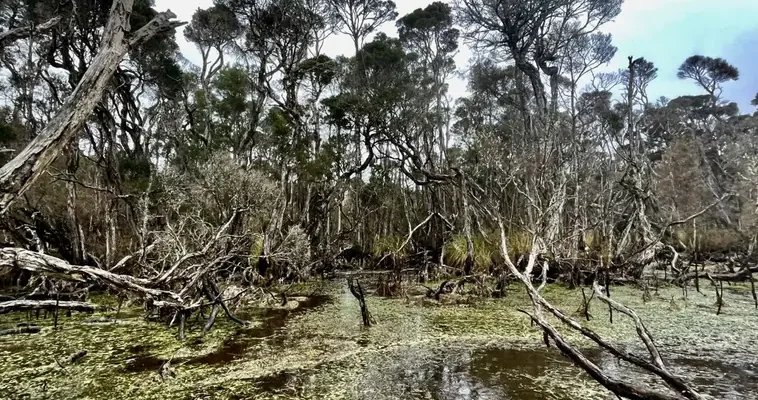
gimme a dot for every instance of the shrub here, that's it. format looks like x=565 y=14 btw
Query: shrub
x=486 y=249
x=384 y=245
x=198 y=205
x=294 y=251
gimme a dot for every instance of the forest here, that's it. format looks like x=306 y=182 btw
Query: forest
x=274 y=222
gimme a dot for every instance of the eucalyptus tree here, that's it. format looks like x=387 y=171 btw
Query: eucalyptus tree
x=211 y=30
x=361 y=18
x=276 y=38
x=429 y=33
x=583 y=56
x=533 y=34
x=89 y=48
x=709 y=73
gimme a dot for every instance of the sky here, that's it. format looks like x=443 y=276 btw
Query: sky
x=665 y=32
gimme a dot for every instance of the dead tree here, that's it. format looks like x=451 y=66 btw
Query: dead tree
x=620 y=388
x=20 y=173
x=23 y=305
x=357 y=291
x=56 y=268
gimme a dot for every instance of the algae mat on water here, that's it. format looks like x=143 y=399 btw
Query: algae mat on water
x=484 y=350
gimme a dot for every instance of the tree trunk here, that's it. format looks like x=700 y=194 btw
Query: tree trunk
x=54 y=267
x=20 y=173
x=467 y=229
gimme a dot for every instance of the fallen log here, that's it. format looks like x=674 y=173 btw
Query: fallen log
x=20 y=330
x=625 y=389
x=70 y=359
x=23 y=305
x=31 y=261
x=739 y=276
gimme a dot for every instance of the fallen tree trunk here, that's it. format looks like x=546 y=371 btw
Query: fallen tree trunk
x=739 y=276
x=70 y=359
x=630 y=390
x=20 y=330
x=23 y=305
x=55 y=267
x=20 y=173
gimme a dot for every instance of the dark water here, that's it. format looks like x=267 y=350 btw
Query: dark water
x=271 y=330
x=502 y=373
x=493 y=373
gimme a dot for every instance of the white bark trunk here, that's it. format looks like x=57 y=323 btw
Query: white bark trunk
x=20 y=173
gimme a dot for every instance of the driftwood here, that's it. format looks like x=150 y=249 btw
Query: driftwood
x=12 y=35
x=20 y=173
x=23 y=305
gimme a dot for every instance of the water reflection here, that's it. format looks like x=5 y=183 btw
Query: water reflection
x=464 y=373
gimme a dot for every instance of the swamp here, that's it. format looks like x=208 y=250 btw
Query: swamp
x=483 y=349
x=376 y=199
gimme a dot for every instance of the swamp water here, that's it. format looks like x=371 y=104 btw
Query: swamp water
x=483 y=350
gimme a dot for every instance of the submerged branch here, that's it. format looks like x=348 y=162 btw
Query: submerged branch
x=23 y=305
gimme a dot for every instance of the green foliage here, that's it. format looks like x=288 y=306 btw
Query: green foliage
x=381 y=57
x=233 y=87
x=320 y=71
x=383 y=245
x=212 y=27
x=135 y=168
x=598 y=246
x=339 y=109
x=519 y=244
x=707 y=72
x=430 y=33
x=7 y=133
x=486 y=251
x=256 y=246
x=321 y=166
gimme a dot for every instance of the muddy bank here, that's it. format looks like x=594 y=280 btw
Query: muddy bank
x=484 y=350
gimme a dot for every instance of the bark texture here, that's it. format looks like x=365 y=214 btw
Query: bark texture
x=20 y=173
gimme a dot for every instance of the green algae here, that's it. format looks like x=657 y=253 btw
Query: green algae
x=482 y=349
